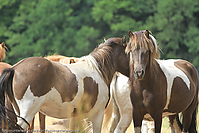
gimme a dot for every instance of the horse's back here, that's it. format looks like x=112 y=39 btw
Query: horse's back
x=188 y=69
x=3 y=66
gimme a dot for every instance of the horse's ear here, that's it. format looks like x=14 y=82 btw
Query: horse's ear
x=146 y=33
x=124 y=40
x=128 y=48
x=130 y=34
x=104 y=39
x=3 y=44
x=72 y=61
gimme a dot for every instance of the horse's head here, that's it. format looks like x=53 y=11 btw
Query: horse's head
x=2 y=51
x=143 y=49
x=111 y=57
x=121 y=59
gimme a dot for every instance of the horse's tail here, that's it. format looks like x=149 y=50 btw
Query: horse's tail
x=111 y=108
x=6 y=80
x=193 y=126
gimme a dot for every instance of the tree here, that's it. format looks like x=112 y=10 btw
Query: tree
x=121 y=16
x=47 y=27
x=175 y=25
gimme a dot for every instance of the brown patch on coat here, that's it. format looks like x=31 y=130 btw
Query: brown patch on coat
x=180 y=95
x=188 y=69
x=90 y=94
x=35 y=72
x=41 y=75
x=67 y=84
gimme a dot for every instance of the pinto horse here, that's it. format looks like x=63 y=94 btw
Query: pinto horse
x=160 y=87
x=66 y=90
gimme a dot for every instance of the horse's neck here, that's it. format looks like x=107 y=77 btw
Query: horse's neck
x=150 y=72
x=108 y=75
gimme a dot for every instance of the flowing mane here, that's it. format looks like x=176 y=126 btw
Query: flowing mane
x=101 y=58
x=144 y=41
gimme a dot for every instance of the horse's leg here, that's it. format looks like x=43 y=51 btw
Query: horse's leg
x=115 y=117
x=42 y=122
x=189 y=118
x=72 y=124
x=123 y=102
x=187 y=121
x=31 y=125
x=28 y=110
x=144 y=128
x=157 y=116
x=148 y=126
x=125 y=118
x=97 y=120
x=173 y=124
x=137 y=119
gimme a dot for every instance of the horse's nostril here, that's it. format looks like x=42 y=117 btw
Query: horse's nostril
x=139 y=73
x=142 y=71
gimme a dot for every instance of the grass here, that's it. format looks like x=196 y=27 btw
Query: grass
x=165 y=124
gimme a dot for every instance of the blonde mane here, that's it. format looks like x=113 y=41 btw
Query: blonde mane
x=62 y=59
x=2 y=51
x=139 y=40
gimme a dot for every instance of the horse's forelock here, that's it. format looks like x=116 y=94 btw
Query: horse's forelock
x=139 y=40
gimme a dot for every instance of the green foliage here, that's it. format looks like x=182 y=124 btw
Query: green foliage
x=75 y=28
x=175 y=25
x=47 y=27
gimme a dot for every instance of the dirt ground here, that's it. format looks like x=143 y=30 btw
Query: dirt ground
x=53 y=125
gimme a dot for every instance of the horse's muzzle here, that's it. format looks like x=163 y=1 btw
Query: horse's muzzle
x=139 y=74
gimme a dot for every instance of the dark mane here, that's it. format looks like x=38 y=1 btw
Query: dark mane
x=103 y=55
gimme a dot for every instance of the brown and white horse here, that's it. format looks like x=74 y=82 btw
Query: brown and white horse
x=64 y=91
x=160 y=87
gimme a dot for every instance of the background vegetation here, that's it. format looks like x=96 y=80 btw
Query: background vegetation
x=76 y=27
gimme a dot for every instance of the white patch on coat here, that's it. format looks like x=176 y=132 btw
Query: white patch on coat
x=121 y=93
x=171 y=72
x=28 y=105
x=103 y=90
